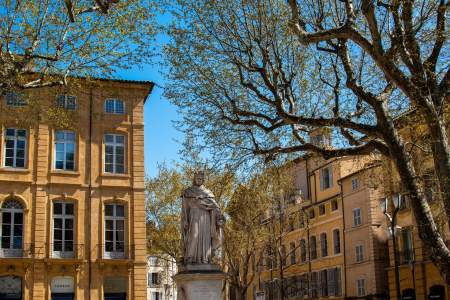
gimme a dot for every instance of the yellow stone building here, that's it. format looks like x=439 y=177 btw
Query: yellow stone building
x=72 y=215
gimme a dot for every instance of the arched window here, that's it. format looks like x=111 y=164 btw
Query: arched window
x=12 y=228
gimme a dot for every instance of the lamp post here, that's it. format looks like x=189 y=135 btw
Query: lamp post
x=392 y=230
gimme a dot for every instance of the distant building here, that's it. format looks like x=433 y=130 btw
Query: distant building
x=160 y=285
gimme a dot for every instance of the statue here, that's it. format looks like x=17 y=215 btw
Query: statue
x=201 y=222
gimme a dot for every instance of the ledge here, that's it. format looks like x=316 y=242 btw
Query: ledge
x=117 y=176
x=14 y=170
x=65 y=173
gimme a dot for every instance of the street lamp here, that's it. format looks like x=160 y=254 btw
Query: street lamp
x=392 y=219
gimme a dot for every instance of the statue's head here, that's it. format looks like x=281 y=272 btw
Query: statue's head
x=199 y=178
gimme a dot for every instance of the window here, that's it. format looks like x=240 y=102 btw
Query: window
x=302 y=250
x=323 y=282
x=407 y=254
x=361 y=287
x=66 y=102
x=114 y=153
x=355 y=184
x=311 y=213
x=336 y=241
x=356 y=217
x=154 y=278
x=334 y=282
x=313 y=283
x=15 y=147
x=326 y=178
x=11 y=229
x=359 y=253
x=156 y=296
x=292 y=250
x=15 y=99
x=313 y=246
x=334 y=205
x=114 y=106
x=323 y=244
x=114 y=230
x=402 y=201
x=301 y=220
x=63 y=221
x=283 y=255
x=321 y=209
x=65 y=150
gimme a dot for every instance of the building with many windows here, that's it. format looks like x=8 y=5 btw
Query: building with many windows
x=160 y=285
x=72 y=215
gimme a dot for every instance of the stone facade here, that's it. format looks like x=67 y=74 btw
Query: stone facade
x=160 y=284
x=79 y=225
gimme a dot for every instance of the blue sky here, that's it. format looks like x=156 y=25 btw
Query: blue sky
x=160 y=135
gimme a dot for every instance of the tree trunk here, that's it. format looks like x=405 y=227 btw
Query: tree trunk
x=427 y=228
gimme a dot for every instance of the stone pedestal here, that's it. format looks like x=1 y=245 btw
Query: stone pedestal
x=199 y=282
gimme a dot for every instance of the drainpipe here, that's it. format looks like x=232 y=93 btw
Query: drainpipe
x=343 y=239
x=90 y=192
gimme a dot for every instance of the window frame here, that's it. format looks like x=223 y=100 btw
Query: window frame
x=329 y=172
x=115 y=254
x=361 y=287
x=323 y=244
x=65 y=142
x=293 y=257
x=313 y=247
x=322 y=209
x=63 y=253
x=359 y=253
x=11 y=250
x=115 y=106
x=334 y=207
x=336 y=241
x=303 y=251
x=65 y=104
x=15 y=140
x=17 y=101
x=359 y=217
x=115 y=145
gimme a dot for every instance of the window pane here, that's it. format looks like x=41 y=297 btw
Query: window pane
x=57 y=223
x=6 y=242
x=20 y=154
x=120 y=169
x=21 y=132
x=109 y=235
x=9 y=162
x=120 y=139
x=21 y=144
x=17 y=242
x=109 y=225
x=70 y=136
x=109 y=210
x=120 y=236
x=6 y=218
x=69 y=208
x=109 y=138
x=109 y=158
x=57 y=208
x=59 y=165
x=70 y=166
x=109 y=168
x=120 y=247
x=69 y=224
x=59 y=135
x=59 y=147
x=109 y=106
x=120 y=210
x=18 y=217
x=17 y=230
x=57 y=246
x=120 y=225
x=68 y=246
x=58 y=234
x=20 y=163
x=119 y=107
x=68 y=235
x=109 y=246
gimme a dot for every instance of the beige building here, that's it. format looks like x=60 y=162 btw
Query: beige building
x=72 y=210
x=366 y=234
x=332 y=235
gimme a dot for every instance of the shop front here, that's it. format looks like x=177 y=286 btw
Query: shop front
x=115 y=288
x=10 y=288
x=63 y=288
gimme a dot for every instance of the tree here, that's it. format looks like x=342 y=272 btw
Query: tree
x=254 y=78
x=43 y=43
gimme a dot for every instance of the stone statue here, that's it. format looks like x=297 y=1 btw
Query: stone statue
x=201 y=222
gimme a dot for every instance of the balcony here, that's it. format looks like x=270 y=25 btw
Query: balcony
x=68 y=251
x=27 y=251
x=116 y=251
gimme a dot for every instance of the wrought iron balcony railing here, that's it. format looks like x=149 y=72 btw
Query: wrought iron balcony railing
x=28 y=250
x=67 y=250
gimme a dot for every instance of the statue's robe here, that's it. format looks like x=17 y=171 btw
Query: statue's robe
x=201 y=231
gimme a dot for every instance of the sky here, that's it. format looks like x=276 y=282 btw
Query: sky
x=161 y=137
